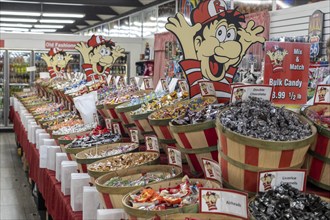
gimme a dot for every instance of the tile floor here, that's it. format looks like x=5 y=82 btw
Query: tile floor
x=15 y=191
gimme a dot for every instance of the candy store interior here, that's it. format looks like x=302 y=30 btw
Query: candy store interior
x=165 y=109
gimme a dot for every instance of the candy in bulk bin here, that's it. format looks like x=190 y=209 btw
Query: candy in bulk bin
x=255 y=136
x=120 y=162
x=197 y=216
x=99 y=152
x=114 y=185
x=196 y=135
x=165 y=198
x=318 y=156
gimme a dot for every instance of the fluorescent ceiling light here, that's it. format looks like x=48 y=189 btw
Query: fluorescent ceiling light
x=56 y=21
x=13 y=29
x=63 y=15
x=20 y=13
x=15 y=25
x=254 y=1
x=48 y=26
x=43 y=30
x=282 y=4
x=25 y=20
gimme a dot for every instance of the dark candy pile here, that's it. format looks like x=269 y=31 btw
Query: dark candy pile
x=93 y=140
x=285 y=202
x=259 y=119
x=205 y=114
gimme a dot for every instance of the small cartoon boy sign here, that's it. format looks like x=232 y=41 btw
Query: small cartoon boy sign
x=267 y=181
x=239 y=94
x=99 y=55
x=56 y=61
x=211 y=199
x=214 y=45
x=276 y=55
x=322 y=93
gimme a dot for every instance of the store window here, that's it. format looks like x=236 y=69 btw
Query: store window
x=149 y=22
x=136 y=25
x=113 y=28
x=165 y=11
x=124 y=27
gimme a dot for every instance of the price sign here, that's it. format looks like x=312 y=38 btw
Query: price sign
x=207 y=88
x=152 y=143
x=174 y=157
x=271 y=178
x=244 y=92
x=134 y=133
x=164 y=85
x=224 y=201
x=116 y=128
x=286 y=69
x=148 y=83
x=322 y=94
x=108 y=124
x=212 y=170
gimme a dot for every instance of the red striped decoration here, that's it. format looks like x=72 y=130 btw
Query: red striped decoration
x=286 y=158
x=113 y=113
x=138 y=125
x=321 y=145
x=123 y=117
x=192 y=157
x=316 y=169
x=107 y=201
x=166 y=132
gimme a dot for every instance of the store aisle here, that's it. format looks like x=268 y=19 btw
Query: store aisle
x=15 y=191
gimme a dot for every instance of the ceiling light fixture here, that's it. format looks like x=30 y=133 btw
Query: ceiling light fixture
x=282 y=4
x=15 y=25
x=20 y=13
x=43 y=30
x=48 y=26
x=13 y=29
x=255 y=1
x=56 y=21
x=25 y=20
x=63 y=15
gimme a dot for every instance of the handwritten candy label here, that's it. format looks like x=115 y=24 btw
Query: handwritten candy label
x=152 y=143
x=241 y=93
x=174 y=157
x=116 y=128
x=223 y=201
x=207 y=88
x=134 y=135
x=322 y=94
x=272 y=178
x=212 y=169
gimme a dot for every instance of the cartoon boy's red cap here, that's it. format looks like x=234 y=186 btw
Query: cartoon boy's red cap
x=53 y=51
x=95 y=41
x=209 y=10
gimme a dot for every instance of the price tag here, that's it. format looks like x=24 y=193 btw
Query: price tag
x=322 y=94
x=183 y=85
x=164 y=85
x=108 y=124
x=174 y=157
x=212 y=170
x=223 y=201
x=148 y=83
x=96 y=118
x=244 y=92
x=134 y=133
x=116 y=128
x=207 y=88
x=152 y=143
x=271 y=178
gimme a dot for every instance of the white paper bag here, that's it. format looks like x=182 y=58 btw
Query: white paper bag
x=51 y=156
x=111 y=214
x=41 y=138
x=49 y=142
x=43 y=152
x=67 y=167
x=58 y=160
x=78 y=181
x=30 y=125
x=86 y=106
x=38 y=131
x=91 y=202
x=33 y=134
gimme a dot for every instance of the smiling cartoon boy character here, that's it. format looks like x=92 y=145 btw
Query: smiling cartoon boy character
x=99 y=55
x=213 y=45
x=57 y=61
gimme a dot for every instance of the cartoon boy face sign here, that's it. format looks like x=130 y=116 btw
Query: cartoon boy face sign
x=134 y=135
x=277 y=56
x=99 y=55
x=149 y=143
x=239 y=94
x=214 y=45
x=209 y=168
x=267 y=181
x=56 y=61
x=172 y=156
x=211 y=199
x=322 y=93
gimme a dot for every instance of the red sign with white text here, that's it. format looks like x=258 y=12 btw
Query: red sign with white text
x=66 y=45
x=286 y=69
x=2 y=43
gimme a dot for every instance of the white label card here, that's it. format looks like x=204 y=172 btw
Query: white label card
x=152 y=143
x=108 y=124
x=96 y=118
x=271 y=178
x=133 y=81
x=164 y=84
x=109 y=79
x=212 y=170
x=148 y=83
x=207 y=88
x=116 y=128
x=183 y=85
x=242 y=93
x=322 y=94
x=174 y=157
x=134 y=133
x=223 y=201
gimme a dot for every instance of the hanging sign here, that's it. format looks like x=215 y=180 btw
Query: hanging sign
x=223 y=201
x=315 y=33
x=174 y=157
x=152 y=143
x=134 y=133
x=244 y=92
x=116 y=128
x=212 y=169
x=207 y=88
x=68 y=45
x=286 y=69
x=270 y=178
x=322 y=94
